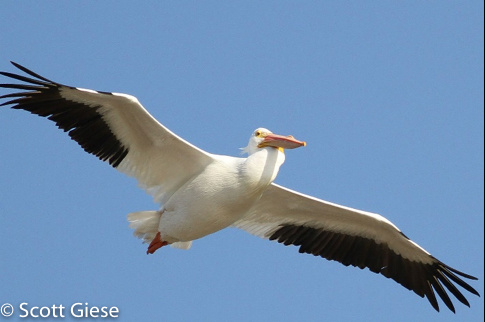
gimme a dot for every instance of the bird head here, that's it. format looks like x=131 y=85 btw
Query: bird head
x=262 y=138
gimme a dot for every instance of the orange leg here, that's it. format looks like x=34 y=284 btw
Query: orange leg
x=156 y=244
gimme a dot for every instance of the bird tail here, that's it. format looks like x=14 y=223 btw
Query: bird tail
x=145 y=224
x=182 y=245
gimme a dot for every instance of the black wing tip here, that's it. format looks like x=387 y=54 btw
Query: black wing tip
x=38 y=80
x=447 y=269
x=21 y=67
x=31 y=73
x=16 y=64
x=470 y=277
x=82 y=121
x=330 y=245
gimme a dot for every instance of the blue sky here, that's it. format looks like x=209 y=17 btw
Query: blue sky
x=389 y=97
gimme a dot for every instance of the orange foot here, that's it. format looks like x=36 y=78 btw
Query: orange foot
x=156 y=244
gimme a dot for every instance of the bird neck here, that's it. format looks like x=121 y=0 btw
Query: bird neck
x=262 y=166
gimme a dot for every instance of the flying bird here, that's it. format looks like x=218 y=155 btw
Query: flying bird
x=201 y=193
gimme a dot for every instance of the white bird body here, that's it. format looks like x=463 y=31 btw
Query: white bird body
x=201 y=193
x=220 y=195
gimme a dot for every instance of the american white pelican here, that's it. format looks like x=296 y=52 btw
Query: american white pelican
x=201 y=193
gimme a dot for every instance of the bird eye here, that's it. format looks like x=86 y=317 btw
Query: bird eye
x=257 y=133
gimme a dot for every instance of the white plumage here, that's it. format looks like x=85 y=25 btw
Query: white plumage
x=201 y=193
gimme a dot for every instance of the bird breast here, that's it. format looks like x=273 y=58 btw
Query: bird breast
x=216 y=198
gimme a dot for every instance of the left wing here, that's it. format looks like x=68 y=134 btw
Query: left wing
x=114 y=127
x=352 y=237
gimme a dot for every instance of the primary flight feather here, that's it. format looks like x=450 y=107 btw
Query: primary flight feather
x=201 y=193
